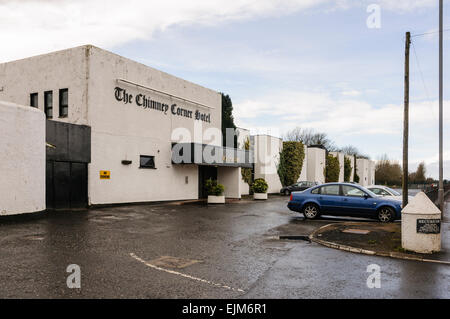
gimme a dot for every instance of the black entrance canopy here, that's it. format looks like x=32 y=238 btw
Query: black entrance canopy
x=206 y=154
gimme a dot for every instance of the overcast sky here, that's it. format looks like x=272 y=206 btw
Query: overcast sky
x=285 y=63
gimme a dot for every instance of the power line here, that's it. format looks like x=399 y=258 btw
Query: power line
x=423 y=79
x=426 y=33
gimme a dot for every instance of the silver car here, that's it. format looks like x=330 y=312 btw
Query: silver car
x=387 y=192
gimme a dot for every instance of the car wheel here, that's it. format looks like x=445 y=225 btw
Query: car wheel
x=311 y=211
x=287 y=192
x=385 y=214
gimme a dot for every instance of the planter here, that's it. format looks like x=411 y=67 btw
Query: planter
x=260 y=196
x=216 y=199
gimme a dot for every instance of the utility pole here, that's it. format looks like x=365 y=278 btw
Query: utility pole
x=406 y=123
x=441 y=97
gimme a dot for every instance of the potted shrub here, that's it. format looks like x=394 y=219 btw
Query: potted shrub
x=259 y=188
x=215 y=192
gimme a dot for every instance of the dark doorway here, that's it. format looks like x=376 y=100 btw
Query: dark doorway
x=66 y=185
x=205 y=173
x=68 y=155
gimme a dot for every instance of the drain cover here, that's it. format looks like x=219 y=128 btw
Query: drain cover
x=356 y=231
x=173 y=262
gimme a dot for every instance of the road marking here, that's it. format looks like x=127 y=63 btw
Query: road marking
x=184 y=275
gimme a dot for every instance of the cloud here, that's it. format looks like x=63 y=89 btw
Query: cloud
x=374 y=129
x=406 y=5
x=351 y=93
x=336 y=115
x=31 y=27
x=432 y=169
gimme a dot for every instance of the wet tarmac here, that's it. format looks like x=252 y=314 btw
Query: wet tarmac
x=196 y=251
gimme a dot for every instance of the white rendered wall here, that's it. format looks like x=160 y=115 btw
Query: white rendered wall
x=244 y=187
x=267 y=155
x=340 y=157
x=22 y=159
x=229 y=177
x=49 y=72
x=125 y=131
x=362 y=169
x=242 y=135
x=371 y=172
x=119 y=131
x=304 y=173
x=316 y=164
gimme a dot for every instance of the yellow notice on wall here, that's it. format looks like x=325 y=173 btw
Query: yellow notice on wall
x=105 y=174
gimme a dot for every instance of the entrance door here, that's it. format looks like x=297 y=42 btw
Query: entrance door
x=66 y=185
x=205 y=173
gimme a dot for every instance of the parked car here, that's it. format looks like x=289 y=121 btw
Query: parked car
x=299 y=186
x=386 y=192
x=344 y=199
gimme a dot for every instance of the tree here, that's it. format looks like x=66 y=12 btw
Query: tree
x=355 y=174
x=291 y=162
x=247 y=172
x=356 y=177
x=347 y=169
x=412 y=178
x=295 y=135
x=350 y=150
x=388 y=172
x=309 y=137
x=227 y=119
x=353 y=151
x=332 y=169
x=420 y=177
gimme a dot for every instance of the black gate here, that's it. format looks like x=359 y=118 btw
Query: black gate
x=68 y=155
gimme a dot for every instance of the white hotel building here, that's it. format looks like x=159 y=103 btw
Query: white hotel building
x=113 y=128
x=111 y=124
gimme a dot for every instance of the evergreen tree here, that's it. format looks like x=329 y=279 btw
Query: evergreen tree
x=227 y=119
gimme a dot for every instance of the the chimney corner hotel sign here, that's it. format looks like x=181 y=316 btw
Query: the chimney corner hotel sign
x=146 y=102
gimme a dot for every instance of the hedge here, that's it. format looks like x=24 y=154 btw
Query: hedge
x=347 y=169
x=260 y=185
x=214 y=188
x=332 y=169
x=291 y=162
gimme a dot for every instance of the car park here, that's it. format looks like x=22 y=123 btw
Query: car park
x=344 y=199
x=299 y=186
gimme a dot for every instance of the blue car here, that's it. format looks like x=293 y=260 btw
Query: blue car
x=344 y=199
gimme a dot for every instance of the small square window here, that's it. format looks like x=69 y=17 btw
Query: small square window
x=147 y=161
x=34 y=99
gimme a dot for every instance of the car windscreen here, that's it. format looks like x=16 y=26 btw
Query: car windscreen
x=393 y=192
x=370 y=192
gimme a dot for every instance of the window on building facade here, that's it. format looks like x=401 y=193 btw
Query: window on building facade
x=147 y=161
x=48 y=104
x=34 y=99
x=63 y=102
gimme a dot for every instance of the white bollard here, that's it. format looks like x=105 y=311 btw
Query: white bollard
x=421 y=225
